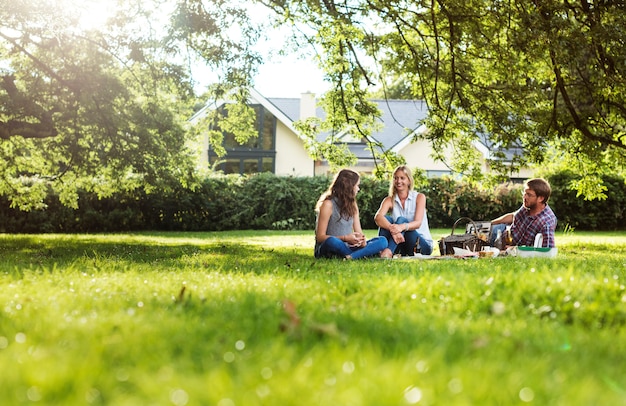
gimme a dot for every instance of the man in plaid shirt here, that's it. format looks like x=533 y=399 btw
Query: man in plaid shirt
x=534 y=217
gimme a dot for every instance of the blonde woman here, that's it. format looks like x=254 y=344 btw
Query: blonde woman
x=402 y=218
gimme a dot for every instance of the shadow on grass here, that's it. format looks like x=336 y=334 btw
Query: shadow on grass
x=26 y=251
x=327 y=311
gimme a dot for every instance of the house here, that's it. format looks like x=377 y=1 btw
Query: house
x=279 y=148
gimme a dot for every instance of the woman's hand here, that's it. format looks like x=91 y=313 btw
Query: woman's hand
x=398 y=238
x=397 y=229
x=356 y=239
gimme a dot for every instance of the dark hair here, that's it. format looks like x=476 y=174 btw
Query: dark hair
x=342 y=190
x=541 y=187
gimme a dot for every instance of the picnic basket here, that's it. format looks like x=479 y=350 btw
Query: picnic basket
x=470 y=240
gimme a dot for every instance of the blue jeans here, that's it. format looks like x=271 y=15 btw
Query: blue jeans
x=504 y=241
x=334 y=247
x=494 y=233
x=411 y=238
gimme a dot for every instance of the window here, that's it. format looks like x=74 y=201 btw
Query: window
x=257 y=154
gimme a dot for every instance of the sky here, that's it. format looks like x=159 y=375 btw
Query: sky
x=290 y=76
x=284 y=75
x=281 y=76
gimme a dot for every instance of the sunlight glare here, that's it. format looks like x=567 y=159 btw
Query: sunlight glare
x=412 y=395
x=91 y=14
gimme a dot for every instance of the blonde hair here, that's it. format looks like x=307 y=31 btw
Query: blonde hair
x=409 y=175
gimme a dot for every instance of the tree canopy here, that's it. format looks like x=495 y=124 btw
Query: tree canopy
x=546 y=76
x=104 y=107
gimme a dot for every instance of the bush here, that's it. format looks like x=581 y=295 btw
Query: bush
x=448 y=200
x=577 y=213
x=369 y=198
x=266 y=201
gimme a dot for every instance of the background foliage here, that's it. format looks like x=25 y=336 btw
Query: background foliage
x=266 y=201
x=527 y=77
x=103 y=107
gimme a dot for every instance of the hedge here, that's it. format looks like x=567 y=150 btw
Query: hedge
x=266 y=201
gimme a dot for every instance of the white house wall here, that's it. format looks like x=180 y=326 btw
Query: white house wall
x=324 y=169
x=203 y=155
x=291 y=157
x=417 y=155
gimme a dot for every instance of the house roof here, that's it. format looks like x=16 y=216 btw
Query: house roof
x=400 y=118
x=488 y=147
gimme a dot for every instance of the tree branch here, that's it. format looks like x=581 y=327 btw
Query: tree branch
x=44 y=128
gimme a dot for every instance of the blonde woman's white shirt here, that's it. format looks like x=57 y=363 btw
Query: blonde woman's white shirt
x=408 y=212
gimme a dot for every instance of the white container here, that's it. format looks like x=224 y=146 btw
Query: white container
x=532 y=252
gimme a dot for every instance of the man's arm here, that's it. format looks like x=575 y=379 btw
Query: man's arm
x=504 y=219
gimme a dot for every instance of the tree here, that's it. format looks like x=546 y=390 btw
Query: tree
x=105 y=108
x=547 y=76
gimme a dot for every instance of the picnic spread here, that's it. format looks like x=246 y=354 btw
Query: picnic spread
x=475 y=243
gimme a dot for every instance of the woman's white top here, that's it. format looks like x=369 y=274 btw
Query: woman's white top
x=408 y=212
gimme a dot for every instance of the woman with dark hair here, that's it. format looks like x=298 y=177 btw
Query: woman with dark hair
x=402 y=217
x=338 y=230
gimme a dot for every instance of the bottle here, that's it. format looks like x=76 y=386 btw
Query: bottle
x=508 y=237
x=498 y=242
x=538 y=240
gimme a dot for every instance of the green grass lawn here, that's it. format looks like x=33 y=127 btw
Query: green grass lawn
x=251 y=318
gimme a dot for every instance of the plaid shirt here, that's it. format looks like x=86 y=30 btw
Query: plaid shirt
x=526 y=227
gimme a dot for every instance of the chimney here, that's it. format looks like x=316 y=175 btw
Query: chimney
x=307 y=105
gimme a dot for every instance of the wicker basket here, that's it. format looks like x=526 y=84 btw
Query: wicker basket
x=469 y=241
